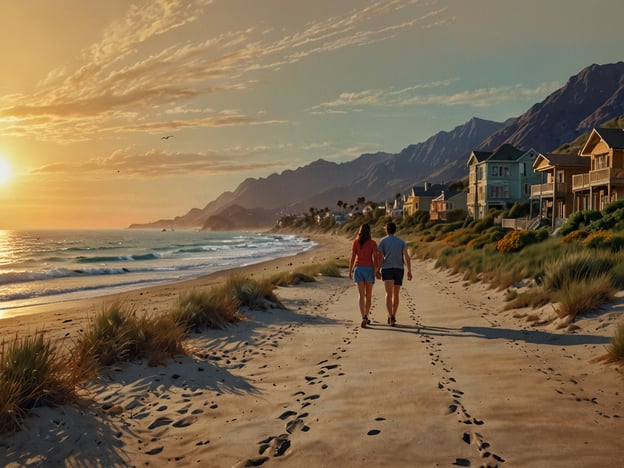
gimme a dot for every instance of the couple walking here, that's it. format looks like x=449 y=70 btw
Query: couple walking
x=385 y=261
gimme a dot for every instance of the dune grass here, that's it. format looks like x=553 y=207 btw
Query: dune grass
x=117 y=334
x=615 y=350
x=252 y=293
x=199 y=309
x=581 y=281
x=33 y=373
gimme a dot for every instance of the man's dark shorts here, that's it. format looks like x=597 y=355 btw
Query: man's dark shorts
x=393 y=274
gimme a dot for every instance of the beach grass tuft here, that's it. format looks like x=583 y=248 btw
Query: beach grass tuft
x=533 y=297
x=329 y=269
x=291 y=278
x=582 y=295
x=615 y=350
x=252 y=293
x=211 y=308
x=116 y=334
x=33 y=373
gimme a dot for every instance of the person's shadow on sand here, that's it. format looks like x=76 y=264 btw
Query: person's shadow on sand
x=528 y=336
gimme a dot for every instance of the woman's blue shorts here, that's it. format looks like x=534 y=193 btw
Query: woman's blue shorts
x=364 y=274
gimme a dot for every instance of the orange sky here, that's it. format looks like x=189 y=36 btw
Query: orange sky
x=247 y=88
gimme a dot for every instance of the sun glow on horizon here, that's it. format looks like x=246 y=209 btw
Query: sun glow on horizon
x=5 y=171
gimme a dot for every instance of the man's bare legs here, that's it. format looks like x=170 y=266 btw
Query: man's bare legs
x=392 y=299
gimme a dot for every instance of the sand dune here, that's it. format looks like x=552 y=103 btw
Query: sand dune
x=457 y=383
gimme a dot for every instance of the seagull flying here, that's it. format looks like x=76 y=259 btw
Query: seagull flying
x=166 y=137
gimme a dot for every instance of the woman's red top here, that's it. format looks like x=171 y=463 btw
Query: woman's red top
x=365 y=253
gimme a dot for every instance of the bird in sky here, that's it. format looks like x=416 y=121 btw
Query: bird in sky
x=166 y=137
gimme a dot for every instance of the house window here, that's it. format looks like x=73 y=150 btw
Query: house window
x=499 y=191
x=601 y=161
x=527 y=190
x=502 y=171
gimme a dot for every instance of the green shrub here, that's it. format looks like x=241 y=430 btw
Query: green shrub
x=579 y=220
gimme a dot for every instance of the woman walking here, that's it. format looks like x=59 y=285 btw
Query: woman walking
x=362 y=269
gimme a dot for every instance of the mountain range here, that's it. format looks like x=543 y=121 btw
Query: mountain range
x=587 y=100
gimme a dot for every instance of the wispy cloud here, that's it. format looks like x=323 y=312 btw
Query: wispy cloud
x=413 y=96
x=133 y=163
x=126 y=73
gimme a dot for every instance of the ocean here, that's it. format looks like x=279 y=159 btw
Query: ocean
x=43 y=267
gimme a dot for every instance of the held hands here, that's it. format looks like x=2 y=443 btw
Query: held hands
x=378 y=274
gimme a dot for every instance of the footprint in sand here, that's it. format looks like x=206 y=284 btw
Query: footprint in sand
x=154 y=451
x=287 y=414
x=160 y=422
x=185 y=422
x=373 y=432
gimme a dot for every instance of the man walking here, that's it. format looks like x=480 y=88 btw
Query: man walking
x=391 y=261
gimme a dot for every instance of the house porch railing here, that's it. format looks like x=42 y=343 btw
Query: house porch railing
x=605 y=176
x=546 y=190
x=524 y=224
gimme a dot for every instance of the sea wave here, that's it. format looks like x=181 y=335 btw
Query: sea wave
x=118 y=258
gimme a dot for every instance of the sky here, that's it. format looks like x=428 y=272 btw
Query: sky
x=118 y=112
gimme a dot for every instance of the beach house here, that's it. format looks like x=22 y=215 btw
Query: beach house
x=420 y=198
x=604 y=182
x=554 y=192
x=445 y=203
x=499 y=179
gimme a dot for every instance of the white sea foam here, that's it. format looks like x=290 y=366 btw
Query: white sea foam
x=38 y=267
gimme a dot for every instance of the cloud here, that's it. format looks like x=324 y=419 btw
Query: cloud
x=134 y=163
x=413 y=96
x=128 y=72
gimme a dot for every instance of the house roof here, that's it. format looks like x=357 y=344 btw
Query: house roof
x=429 y=191
x=550 y=160
x=506 y=152
x=478 y=156
x=613 y=137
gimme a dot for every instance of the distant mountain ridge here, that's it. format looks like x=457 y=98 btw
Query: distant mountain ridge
x=591 y=97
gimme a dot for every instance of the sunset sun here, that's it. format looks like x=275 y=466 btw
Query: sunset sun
x=5 y=171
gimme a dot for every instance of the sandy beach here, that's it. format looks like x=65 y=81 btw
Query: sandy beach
x=459 y=382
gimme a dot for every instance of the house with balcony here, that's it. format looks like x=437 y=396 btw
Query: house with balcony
x=420 y=198
x=446 y=202
x=554 y=192
x=500 y=178
x=604 y=182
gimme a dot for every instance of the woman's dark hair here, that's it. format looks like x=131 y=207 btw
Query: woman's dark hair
x=364 y=234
